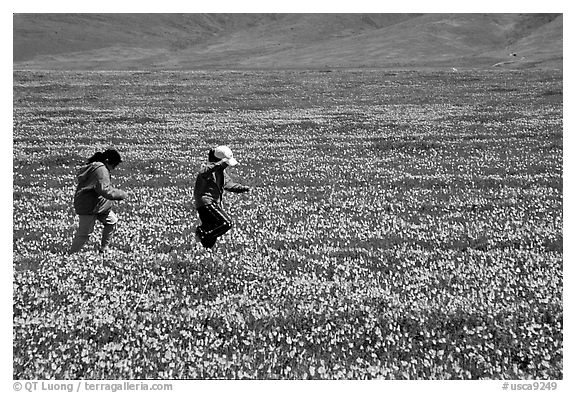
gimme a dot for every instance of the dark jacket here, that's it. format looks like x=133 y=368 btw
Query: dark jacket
x=94 y=194
x=211 y=182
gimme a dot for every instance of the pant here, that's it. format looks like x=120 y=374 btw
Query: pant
x=86 y=227
x=214 y=223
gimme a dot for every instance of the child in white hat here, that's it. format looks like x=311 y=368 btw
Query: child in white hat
x=211 y=182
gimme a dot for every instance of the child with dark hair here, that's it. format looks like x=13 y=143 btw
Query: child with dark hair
x=211 y=182
x=93 y=199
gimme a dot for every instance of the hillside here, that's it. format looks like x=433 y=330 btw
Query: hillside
x=193 y=41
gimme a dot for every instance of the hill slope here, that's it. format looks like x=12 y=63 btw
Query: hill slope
x=190 y=41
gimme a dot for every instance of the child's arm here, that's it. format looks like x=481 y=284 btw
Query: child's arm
x=230 y=185
x=210 y=168
x=104 y=188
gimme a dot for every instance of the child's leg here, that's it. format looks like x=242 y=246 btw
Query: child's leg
x=215 y=223
x=109 y=219
x=209 y=241
x=85 y=229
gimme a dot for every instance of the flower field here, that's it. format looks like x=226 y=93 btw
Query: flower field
x=401 y=225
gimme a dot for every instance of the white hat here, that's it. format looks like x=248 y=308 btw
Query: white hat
x=224 y=153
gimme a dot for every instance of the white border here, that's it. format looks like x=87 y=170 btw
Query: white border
x=168 y=6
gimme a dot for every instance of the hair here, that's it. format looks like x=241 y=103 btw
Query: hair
x=212 y=156
x=110 y=156
x=97 y=157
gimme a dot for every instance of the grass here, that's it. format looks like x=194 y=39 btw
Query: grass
x=400 y=225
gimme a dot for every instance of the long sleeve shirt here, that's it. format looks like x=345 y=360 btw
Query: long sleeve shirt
x=211 y=182
x=94 y=193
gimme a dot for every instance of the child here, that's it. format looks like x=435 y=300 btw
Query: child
x=93 y=199
x=211 y=182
